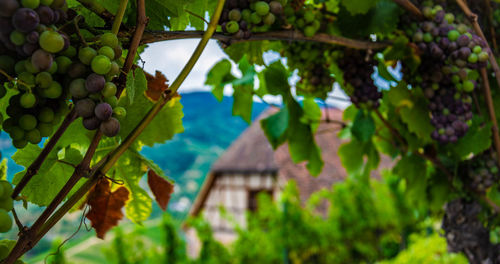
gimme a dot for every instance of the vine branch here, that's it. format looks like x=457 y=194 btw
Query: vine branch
x=410 y=7
x=491 y=111
x=287 y=35
x=98 y=9
x=119 y=17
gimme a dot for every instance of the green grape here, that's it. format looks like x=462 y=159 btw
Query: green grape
x=477 y=49
x=269 y=19
x=112 y=101
x=453 y=35
x=45 y=129
x=119 y=112
x=5 y=221
x=69 y=52
x=309 y=16
x=309 y=31
x=28 y=100
x=109 y=90
x=235 y=15
x=20 y=143
x=262 y=8
x=8 y=124
x=7 y=204
x=46 y=115
x=77 y=89
x=483 y=56
x=107 y=51
x=16 y=133
x=468 y=86
x=473 y=58
x=115 y=69
x=33 y=136
x=86 y=55
x=27 y=122
x=30 y=67
x=33 y=4
x=53 y=69
x=101 y=64
x=232 y=27
x=109 y=39
x=7 y=64
x=255 y=18
x=19 y=67
x=63 y=64
x=246 y=15
x=44 y=79
x=4 y=251
x=7 y=189
x=53 y=91
x=51 y=41
x=27 y=78
x=17 y=38
x=301 y=23
x=428 y=37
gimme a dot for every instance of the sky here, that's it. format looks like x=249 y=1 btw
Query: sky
x=169 y=57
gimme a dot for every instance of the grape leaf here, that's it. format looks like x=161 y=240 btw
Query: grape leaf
x=276 y=78
x=477 y=140
x=312 y=114
x=243 y=102
x=248 y=72
x=106 y=206
x=50 y=178
x=219 y=76
x=3 y=169
x=301 y=140
x=363 y=127
x=136 y=81
x=157 y=84
x=275 y=127
x=161 y=188
x=351 y=156
x=413 y=169
x=130 y=168
x=254 y=50
x=358 y=6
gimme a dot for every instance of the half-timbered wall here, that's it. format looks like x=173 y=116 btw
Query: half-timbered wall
x=231 y=191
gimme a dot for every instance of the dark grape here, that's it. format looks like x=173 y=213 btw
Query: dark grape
x=111 y=127
x=42 y=60
x=8 y=7
x=46 y=14
x=95 y=83
x=25 y=20
x=103 y=111
x=85 y=108
x=77 y=89
x=91 y=123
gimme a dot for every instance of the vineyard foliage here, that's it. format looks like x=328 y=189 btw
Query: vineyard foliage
x=79 y=107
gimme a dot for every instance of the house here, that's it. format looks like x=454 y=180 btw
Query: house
x=250 y=166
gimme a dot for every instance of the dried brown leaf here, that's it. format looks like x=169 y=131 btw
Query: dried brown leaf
x=161 y=188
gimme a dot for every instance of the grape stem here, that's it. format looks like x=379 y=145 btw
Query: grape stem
x=197 y=16
x=288 y=35
x=410 y=7
x=491 y=111
x=10 y=78
x=490 y=23
x=78 y=32
x=119 y=17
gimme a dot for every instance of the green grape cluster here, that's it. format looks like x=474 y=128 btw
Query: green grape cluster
x=311 y=61
x=241 y=17
x=92 y=88
x=307 y=19
x=6 y=205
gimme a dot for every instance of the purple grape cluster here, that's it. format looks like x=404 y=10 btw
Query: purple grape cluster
x=358 y=69
x=465 y=232
x=451 y=54
x=482 y=171
x=241 y=17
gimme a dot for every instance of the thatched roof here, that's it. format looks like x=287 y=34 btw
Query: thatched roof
x=251 y=153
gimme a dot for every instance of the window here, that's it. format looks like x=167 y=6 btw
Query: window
x=253 y=198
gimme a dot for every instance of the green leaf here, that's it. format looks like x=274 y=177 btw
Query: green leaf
x=301 y=140
x=312 y=114
x=477 y=140
x=254 y=50
x=136 y=81
x=276 y=78
x=243 y=102
x=413 y=169
x=219 y=76
x=49 y=180
x=413 y=111
x=358 y=6
x=351 y=156
x=248 y=72
x=364 y=126
x=275 y=127
x=3 y=169
x=131 y=169
x=384 y=73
